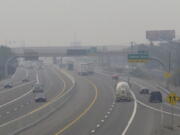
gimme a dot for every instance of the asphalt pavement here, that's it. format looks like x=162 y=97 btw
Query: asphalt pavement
x=22 y=103
x=87 y=109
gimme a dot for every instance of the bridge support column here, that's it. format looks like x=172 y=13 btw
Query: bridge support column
x=61 y=61
x=55 y=60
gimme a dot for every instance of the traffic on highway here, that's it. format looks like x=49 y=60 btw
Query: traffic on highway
x=96 y=67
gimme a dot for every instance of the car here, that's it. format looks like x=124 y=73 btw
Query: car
x=25 y=80
x=155 y=97
x=115 y=76
x=40 y=97
x=144 y=91
x=38 y=88
x=8 y=85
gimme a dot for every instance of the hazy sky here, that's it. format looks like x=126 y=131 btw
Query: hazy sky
x=55 y=22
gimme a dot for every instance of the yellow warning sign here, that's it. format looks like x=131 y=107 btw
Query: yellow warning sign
x=167 y=75
x=172 y=98
x=177 y=98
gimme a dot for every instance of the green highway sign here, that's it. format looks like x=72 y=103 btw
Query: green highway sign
x=141 y=56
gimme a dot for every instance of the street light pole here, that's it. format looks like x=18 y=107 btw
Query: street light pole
x=168 y=87
x=129 y=67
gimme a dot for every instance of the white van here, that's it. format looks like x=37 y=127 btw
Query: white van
x=122 y=92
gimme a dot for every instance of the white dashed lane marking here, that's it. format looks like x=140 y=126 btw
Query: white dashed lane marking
x=92 y=131
x=102 y=121
x=105 y=116
x=98 y=125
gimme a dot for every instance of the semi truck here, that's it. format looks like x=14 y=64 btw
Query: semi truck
x=83 y=69
x=122 y=91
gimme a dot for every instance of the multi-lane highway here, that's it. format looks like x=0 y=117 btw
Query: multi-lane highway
x=79 y=105
x=18 y=102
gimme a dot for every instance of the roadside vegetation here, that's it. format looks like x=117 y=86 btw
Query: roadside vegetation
x=164 y=52
x=5 y=54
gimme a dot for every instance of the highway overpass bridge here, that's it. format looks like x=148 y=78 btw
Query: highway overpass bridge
x=62 y=51
x=106 y=55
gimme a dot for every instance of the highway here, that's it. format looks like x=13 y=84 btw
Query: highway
x=82 y=105
x=7 y=95
x=150 y=117
x=22 y=102
x=104 y=117
x=16 y=78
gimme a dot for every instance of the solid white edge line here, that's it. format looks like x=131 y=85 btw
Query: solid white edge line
x=155 y=109
x=65 y=93
x=134 y=109
x=133 y=114
x=176 y=106
x=16 y=98
x=4 y=91
x=150 y=107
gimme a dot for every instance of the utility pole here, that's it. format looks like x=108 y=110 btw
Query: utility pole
x=167 y=68
x=129 y=67
x=168 y=87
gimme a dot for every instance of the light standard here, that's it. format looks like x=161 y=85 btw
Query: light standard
x=168 y=70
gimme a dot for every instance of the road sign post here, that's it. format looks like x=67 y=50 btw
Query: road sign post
x=139 y=57
x=172 y=99
x=172 y=116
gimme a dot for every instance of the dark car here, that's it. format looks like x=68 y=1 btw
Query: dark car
x=8 y=85
x=40 y=97
x=155 y=97
x=144 y=91
x=25 y=80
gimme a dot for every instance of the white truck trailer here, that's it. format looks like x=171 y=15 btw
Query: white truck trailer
x=122 y=91
x=83 y=69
